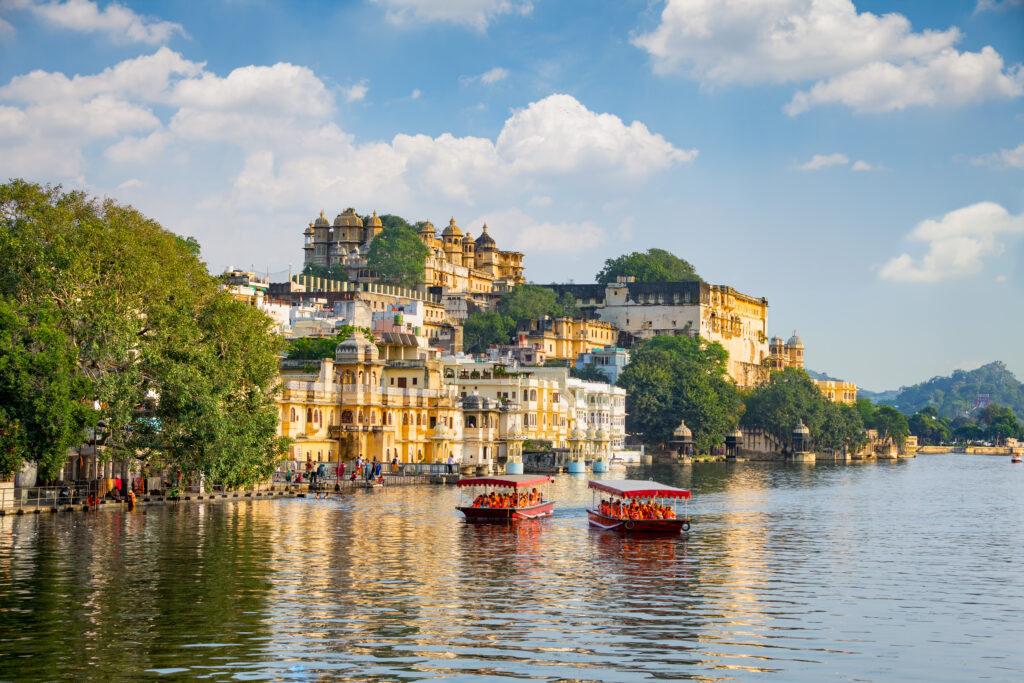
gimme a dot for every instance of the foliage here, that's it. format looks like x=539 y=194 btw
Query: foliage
x=398 y=256
x=998 y=423
x=791 y=397
x=657 y=265
x=891 y=424
x=670 y=379
x=528 y=302
x=153 y=336
x=335 y=271
x=956 y=395
x=930 y=429
x=590 y=373
x=42 y=396
x=481 y=330
x=315 y=348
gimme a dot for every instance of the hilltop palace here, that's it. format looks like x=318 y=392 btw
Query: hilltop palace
x=412 y=392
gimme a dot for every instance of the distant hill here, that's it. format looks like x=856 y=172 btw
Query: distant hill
x=886 y=397
x=962 y=392
x=821 y=376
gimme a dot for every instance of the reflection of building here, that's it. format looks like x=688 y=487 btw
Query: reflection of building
x=713 y=312
x=786 y=355
x=456 y=262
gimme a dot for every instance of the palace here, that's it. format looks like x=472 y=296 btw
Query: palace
x=790 y=354
x=456 y=263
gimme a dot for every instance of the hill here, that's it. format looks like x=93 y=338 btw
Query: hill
x=962 y=392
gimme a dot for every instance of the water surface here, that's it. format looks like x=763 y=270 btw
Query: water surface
x=878 y=572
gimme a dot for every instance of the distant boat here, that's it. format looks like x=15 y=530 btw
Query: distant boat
x=1015 y=457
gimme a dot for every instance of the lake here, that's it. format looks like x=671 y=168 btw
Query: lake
x=911 y=570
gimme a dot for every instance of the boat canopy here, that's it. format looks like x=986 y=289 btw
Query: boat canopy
x=637 y=488
x=515 y=481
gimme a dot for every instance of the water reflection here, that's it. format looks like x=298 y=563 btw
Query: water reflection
x=870 y=572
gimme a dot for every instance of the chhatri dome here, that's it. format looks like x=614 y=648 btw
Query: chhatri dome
x=321 y=222
x=452 y=230
x=347 y=219
x=485 y=241
x=795 y=341
x=373 y=221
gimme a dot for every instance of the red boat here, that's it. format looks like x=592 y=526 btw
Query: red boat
x=1015 y=457
x=638 y=506
x=502 y=498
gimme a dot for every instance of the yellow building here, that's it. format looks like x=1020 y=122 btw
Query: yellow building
x=567 y=338
x=788 y=354
x=456 y=262
x=375 y=403
x=838 y=391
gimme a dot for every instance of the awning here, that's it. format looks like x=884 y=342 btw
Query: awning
x=515 y=481
x=638 y=488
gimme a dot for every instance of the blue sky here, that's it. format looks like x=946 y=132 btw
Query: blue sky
x=859 y=164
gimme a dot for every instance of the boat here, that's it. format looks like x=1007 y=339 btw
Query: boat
x=609 y=513
x=506 y=484
x=1015 y=457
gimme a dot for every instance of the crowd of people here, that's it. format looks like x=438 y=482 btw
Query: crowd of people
x=636 y=509
x=520 y=499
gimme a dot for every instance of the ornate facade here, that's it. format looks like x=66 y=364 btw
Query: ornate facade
x=789 y=354
x=456 y=262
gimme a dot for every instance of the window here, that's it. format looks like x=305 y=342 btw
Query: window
x=405 y=419
x=361 y=418
x=292 y=415
x=414 y=381
x=346 y=417
x=309 y=415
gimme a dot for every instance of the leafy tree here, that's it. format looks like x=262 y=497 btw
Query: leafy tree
x=891 y=424
x=529 y=302
x=998 y=423
x=42 y=396
x=591 y=373
x=669 y=379
x=134 y=303
x=398 y=256
x=657 y=265
x=335 y=271
x=483 y=329
x=790 y=397
x=929 y=429
x=315 y=348
x=866 y=409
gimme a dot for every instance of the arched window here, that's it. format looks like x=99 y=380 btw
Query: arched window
x=405 y=419
x=309 y=415
x=360 y=376
x=316 y=416
x=346 y=417
x=361 y=418
x=349 y=377
x=419 y=420
x=389 y=417
x=292 y=415
x=373 y=417
x=375 y=378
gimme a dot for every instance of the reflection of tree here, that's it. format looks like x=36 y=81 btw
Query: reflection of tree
x=110 y=595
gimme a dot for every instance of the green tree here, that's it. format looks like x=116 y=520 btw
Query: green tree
x=998 y=423
x=791 y=397
x=483 y=329
x=131 y=299
x=43 y=398
x=529 y=302
x=656 y=265
x=891 y=424
x=929 y=429
x=315 y=348
x=669 y=379
x=335 y=271
x=398 y=256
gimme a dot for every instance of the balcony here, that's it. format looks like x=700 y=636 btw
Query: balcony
x=335 y=431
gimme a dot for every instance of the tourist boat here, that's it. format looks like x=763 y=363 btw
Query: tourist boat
x=1015 y=457
x=625 y=491
x=505 y=484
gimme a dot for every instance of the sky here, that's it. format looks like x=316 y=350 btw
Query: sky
x=859 y=164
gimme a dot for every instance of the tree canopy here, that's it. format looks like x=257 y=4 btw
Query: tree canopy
x=791 y=397
x=526 y=302
x=656 y=265
x=669 y=379
x=481 y=330
x=122 y=314
x=398 y=256
x=335 y=271
x=959 y=393
x=315 y=348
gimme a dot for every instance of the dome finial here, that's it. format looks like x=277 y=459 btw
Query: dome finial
x=321 y=213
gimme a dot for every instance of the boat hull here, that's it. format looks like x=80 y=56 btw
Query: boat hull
x=633 y=526
x=499 y=515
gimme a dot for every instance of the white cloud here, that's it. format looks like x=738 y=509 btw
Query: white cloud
x=476 y=14
x=873 y=63
x=958 y=244
x=128 y=184
x=819 y=161
x=943 y=79
x=1011 y=158
x=6 y=29
x=120 y=23
x=415 y=94
x=356 y=93
x=861 y=165
x=513 y=229
x=260 y=146
x=494 y=75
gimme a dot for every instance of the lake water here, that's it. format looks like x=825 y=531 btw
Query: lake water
x=877 y=572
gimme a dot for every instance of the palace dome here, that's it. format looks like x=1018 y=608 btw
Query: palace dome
x=356 y=349
x=348 y=219
x=776 y=341
x=474 y=402
x=373 y=221
x=682 y=431
x=427 y=228
x=321 y=222
x=485 y=242
x=795 y=341
x=452 y=230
